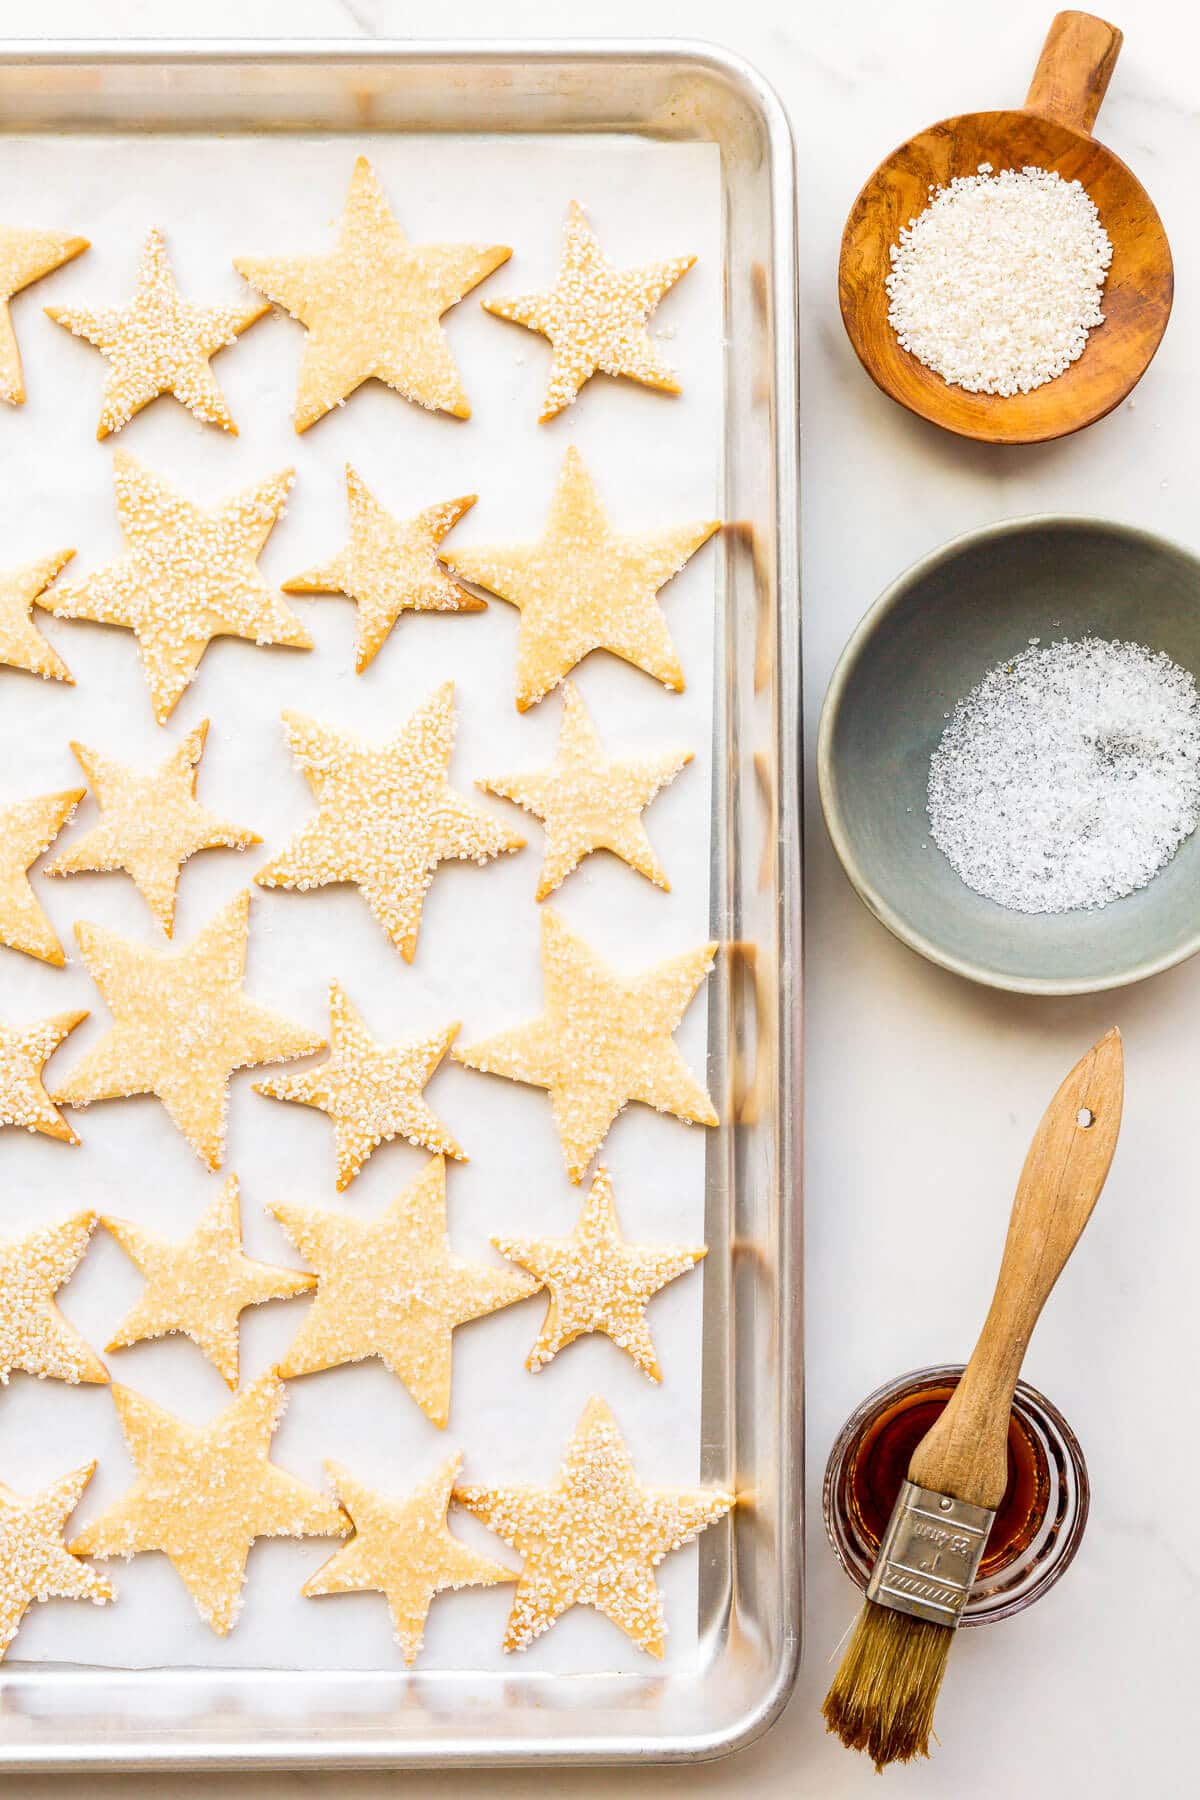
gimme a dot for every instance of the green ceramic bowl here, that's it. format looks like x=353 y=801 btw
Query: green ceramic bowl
x=924 y=644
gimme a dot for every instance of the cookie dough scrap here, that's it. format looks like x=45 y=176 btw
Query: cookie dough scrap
x=22 y=645
x=386 y=816
x=151 y=824
x=24 y=1050
x=35 y=1564
x=372 y=306
x=371 y=1091
x=34 y=1336
x=159 y=343
x=204 y=1493
x=595 y=1538
x=181 y=1026
x=27 y=828
x=25 y=256
x=584 y=587
x=602 y=1041
x=391 y=1287
x=404 y=1549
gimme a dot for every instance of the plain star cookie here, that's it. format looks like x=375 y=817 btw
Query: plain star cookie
x=204 y=1493
x=27 y=828
x=22 y=645
x=159 y=343
x=602 y=1041
x=23 y=1053
x=34 y=1336
x=35 y=1564
x=25 y=256
x=595 y=1538
x=386 y=816
x=372 y=306
x=585 y=587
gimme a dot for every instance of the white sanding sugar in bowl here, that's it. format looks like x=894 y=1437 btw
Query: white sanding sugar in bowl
x=1069 y=776
x=997 y=283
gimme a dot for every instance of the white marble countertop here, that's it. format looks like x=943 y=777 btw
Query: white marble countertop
x=922 y=1090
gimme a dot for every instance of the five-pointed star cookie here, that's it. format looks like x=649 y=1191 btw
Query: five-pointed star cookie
x=392 y=1287
x=372 y=306
x=584 y=587
x=590 y=801
x=389 y=566
x=188 y=576
x=35 y=1564
x=386 y=816
x=595 y=1538
x=597 y=1281
x=595 y=317
x=151 y=824
x=202 y=1285
x=159 y=343
x=181 y=1026
x=371 y=1091
x=404 y=1549
x=204 y=1493
x=27 y=828
x=22 y=645
x=603 y=1040
x=23 y=1051
x=34 y=1336
x=25 y=256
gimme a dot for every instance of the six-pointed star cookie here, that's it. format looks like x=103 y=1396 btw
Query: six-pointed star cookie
x=404 y=1549
x=584 y=587
x=595 y=317
x=27 y=828
x=34 y=1336
x=159 y=343
x=22 y=645
x=389 y=566
x=25 y=256
x=205 y=1492
x=23 y=1051
x=372 y=306
x=188 y=576
x=386 y=816
x=392 y=1287
x=603 y=1040
x=202 y=1285
x=181 y=1026
x=371 y=1091
x=151 y=824
x=35 y=1564
x=589 y=801
x=595 y=1538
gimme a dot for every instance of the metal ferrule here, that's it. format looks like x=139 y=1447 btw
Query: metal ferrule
x=930 y=1555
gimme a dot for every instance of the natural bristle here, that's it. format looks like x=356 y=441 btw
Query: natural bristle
x=885 y=1690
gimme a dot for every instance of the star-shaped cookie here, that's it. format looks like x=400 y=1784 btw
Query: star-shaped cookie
x=589 y=801
x=584 y=587
x=389 y=566
x=35 y=1564
x=27 y=828
x=202 y=1285
x=391 y=1287
x=188 y=576
x=603 y=1040
x=181 y=1026
x=595 y=1538
x=595 y=317
x=204 y=1493
x=22 y=645
x=372 y=306
x=159 y=343
x=151 y=824
x=597 y=1281
x=34 y=1336
x=404 y=1549
x=386 y=816
x=371 y=1091
x=23 y=1052
x=25 y=256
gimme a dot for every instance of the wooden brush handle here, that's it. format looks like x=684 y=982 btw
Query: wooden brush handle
x=965 y=1452
x=1074 y=70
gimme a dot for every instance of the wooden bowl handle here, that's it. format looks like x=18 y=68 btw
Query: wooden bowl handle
x=1074 y=70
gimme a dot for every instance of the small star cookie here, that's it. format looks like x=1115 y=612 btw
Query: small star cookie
x=583 y=587
x=34 y=1336
x=151 y=824
x=27 y=828
x=35 y=1564
x=204 y=1493
x=23 y=1052
x=603 y=1040
x=22 y=645
x=595 y=1538
x=372 y=306
x=159 y=343
x=25 y=256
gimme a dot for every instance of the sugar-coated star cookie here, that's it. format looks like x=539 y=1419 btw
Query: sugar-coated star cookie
x=35 y=1564
x=24 y=1050
x=34 y=1336
x=27 y=828
x=22 y=645
x=25 y=256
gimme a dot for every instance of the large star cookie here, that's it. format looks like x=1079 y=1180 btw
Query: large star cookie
x=603 y=1040
x=404 y=1549
x=23 y=1052
x=22 y=645
x=584 y=587
x=27 y=828
x=391 y=1287
x=35 y=1564
x=371 y=1091
x=595 y=317
x=386 y=816
x=151 y=824
x=204 y=1493
x=372 y=306
x=34 y=1336
x=159 y=343
x=181 y=1026
x=188 y=576
x=25 y=256
x=595 y=1538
